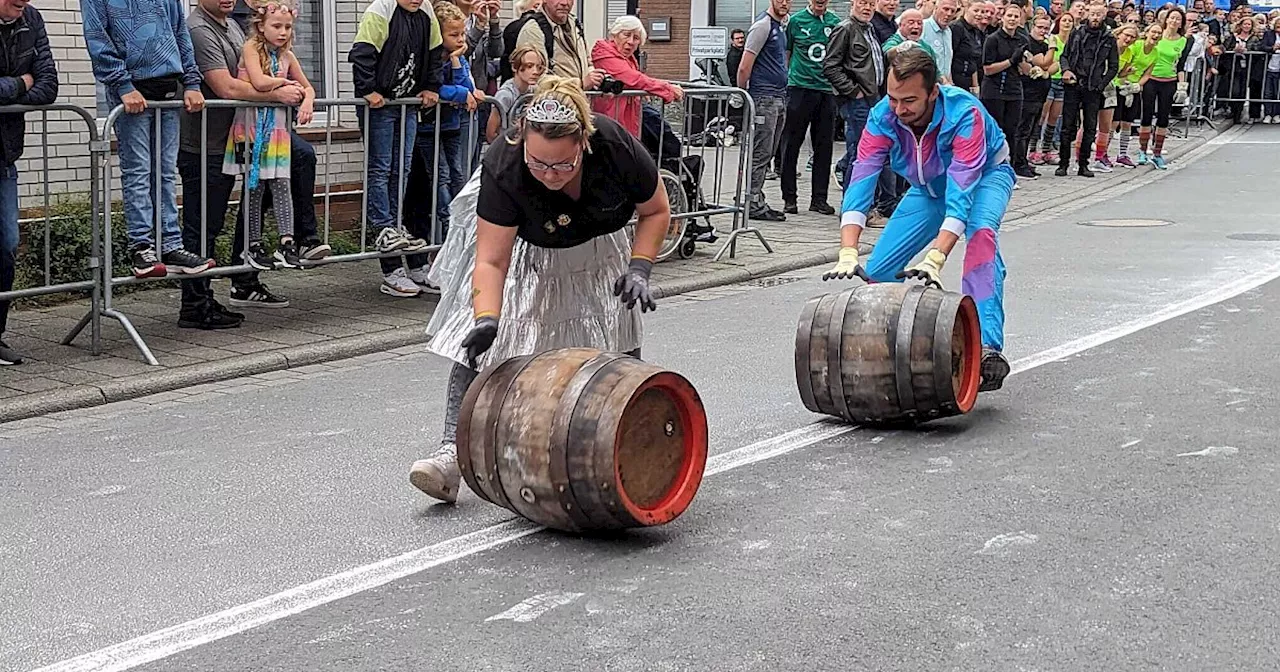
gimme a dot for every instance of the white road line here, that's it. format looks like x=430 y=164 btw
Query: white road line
x=535 y=606
x=211 y=628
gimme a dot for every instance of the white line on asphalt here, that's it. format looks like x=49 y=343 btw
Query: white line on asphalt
x=533 y=607
x=211 y=628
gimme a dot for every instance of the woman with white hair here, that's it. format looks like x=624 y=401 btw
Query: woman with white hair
x=616 y=56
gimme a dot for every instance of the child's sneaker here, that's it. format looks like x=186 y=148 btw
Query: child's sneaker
x=183 y=261
x=1035 y=158
x=394 y=239
x=1126 y=162
x=313 y=249
x=146 y=263
x=397 y=283
x=258 y=258
x=287 y=255
x=419 y=278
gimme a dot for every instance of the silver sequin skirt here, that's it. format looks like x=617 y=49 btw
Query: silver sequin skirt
x=553 y=298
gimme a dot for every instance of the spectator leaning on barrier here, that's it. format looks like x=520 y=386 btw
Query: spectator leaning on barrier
x=763 y=73
x=811 y=104
x=28 y=76
x=217 y=43
x=395 y=55
x=528 y=66
x=616 y=56
x=141 y=51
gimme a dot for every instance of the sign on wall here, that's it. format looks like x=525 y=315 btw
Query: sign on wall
x=708 y=42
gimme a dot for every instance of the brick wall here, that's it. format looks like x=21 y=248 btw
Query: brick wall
x=668 y=60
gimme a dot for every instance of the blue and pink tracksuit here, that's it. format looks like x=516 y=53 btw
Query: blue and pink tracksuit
x=961 y=181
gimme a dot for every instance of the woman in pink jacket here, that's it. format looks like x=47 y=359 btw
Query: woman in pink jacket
x=617 y=57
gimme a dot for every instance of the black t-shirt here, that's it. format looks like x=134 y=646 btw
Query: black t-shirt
x=617 y=175
x=1006 y=84
x=1035 y=90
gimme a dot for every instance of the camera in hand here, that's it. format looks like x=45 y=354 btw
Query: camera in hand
x=611 y=85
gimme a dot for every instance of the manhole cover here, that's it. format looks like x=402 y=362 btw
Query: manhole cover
x=1254 y=236
x=1126 y=223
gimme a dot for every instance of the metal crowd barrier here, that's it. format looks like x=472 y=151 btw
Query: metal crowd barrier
x=1241 y=81
x=94 y=263
x=721 y=199
x=710 y=98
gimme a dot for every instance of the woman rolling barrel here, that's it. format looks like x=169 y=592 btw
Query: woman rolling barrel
x=551 y=251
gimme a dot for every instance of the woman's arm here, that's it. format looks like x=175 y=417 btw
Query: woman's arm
x=622 y=70
x=493 y=258
x=654 y=219
x=991 y=52
x=257 y=77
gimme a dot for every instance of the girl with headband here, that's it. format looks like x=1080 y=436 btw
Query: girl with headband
x=554 y=265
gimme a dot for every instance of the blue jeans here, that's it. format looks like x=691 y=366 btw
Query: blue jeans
x=8 y=234
x=1271 y=92
x=136 y=136
x=453 y=175
x=916 y=223
x=855 y=114
x=387 y=160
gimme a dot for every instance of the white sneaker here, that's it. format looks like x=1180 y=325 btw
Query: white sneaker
x=394 y=239
x=438 y=475
x=397 y=283
x=419 y=277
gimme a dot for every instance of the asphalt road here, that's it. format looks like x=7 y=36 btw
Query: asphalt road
x=1033 y=534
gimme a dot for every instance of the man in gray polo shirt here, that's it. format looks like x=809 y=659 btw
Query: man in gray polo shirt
x=217 y=42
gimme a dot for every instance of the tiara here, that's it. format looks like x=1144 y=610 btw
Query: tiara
x=550 y=111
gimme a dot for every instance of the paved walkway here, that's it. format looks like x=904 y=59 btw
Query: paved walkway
x=337 y=311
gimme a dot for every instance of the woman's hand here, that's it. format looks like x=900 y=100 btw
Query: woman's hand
x=678 y=91
x=633 y=285
x=480 y=339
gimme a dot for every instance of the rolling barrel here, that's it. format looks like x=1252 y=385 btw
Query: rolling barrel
x=579 y=439
x=889 y=353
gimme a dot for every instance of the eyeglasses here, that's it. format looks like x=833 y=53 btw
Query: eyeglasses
x=535 y=164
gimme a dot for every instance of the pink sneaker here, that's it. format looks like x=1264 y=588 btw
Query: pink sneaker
x=1036 y=158
x=1050 y=158
x=1126 y=162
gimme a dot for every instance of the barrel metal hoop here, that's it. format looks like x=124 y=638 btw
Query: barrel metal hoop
x=560 y=436
x=900 y=350
x=942 y=371
x=835 y=352
x=804 y=346
x=491 y=446
x=463 y=434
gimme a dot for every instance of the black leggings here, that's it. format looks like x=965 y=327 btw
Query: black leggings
x=1131 y=113
x=1007 y=114
x=1157 y=101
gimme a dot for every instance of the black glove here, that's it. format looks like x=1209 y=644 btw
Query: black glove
x=1016 y=57
x=633 y=285
x=480 y=339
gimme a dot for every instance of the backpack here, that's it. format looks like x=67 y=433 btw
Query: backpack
x=512 y=32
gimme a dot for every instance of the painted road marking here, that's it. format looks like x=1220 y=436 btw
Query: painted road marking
x=535 y=606
x=175 y=639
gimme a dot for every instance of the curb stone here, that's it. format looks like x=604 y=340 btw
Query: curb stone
x=166 y=380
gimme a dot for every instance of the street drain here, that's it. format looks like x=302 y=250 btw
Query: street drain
x=1254 y=236
x=1126 y=223
x=774 y=281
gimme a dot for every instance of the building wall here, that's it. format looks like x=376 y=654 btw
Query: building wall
x=668 y=60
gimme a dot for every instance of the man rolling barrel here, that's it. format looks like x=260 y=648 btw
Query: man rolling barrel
x=548 y=210
x=941 y=139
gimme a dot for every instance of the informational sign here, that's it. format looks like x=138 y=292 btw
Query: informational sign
x=708 y=42
x=660 y=29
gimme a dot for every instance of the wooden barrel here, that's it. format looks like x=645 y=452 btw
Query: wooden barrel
x=889 y=353
x=579 y=439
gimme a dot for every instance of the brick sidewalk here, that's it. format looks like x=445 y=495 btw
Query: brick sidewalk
x=337 y=310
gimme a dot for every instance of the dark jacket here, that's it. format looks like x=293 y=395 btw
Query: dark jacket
x=966 y=49
x=883 y=27
x=24 y=50
x=384 y=44
x=1091 y=55
x=849 y=64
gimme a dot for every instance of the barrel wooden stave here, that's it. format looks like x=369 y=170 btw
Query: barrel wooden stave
x=889 y=355
x=546 y=431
